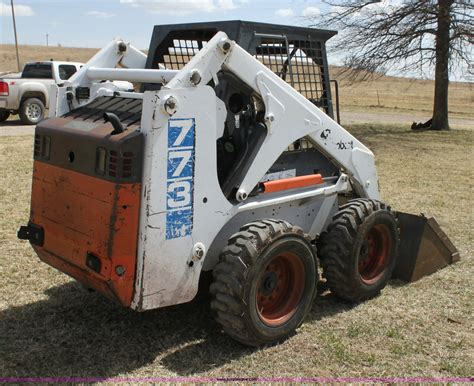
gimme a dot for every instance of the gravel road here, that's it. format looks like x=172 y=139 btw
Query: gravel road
x=351 y=117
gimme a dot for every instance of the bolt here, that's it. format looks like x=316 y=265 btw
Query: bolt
x=242 y=195
x=122 y=47
x=199 y=251
x=225 y=45
x=270 y=117
x=195 y=77
x=170 y=105
x=119 y=270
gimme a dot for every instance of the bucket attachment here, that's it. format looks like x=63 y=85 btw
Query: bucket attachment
x=424 y=248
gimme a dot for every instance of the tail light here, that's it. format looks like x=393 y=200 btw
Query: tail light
x=4 y=91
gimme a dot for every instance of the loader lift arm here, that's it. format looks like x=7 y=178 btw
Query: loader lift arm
x=289 y=116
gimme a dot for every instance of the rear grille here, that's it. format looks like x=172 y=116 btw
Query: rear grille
x=113 y=164
x=127 y=165
x=121 y=166
x=37 y=146
x=42 y=147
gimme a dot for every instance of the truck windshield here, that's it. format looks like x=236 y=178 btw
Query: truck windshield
x=38 y=71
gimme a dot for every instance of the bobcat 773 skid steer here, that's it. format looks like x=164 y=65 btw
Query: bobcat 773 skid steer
x=227 y=160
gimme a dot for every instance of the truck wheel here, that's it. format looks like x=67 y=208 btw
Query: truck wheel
x=265 y=282
x=31 y=111
x=4 y=114
x=358 y=251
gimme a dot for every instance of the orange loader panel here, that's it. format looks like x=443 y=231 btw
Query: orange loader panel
x=87 y=216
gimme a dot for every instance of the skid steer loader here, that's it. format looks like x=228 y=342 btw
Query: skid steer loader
x=227 y=160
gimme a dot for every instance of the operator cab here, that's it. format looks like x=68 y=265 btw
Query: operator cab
x=296 y=54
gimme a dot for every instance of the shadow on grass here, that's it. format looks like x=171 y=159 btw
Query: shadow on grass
x=202 y=355
x=75 y=333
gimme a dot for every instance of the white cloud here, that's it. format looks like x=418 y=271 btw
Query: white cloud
x=311 y=12
x=385 y=4
x=375 y=7
x=285 y=12
x=100 y=14
x=336 y=9
x=382 y=6
x=182 y=7
x=20 y=10
x=225 y=5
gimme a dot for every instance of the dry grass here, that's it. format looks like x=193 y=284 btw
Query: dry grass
x=388 y=93
x=50 y=326
x=39 y=53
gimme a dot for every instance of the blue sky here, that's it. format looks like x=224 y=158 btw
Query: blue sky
x=88 y=23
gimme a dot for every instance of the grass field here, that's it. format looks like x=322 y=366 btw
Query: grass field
x=396 y=94
x=51 y=326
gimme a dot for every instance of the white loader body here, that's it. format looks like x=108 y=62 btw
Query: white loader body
x=185 y=219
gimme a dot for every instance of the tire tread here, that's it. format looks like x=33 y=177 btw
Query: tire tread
x=227 y=290
x=336 y=244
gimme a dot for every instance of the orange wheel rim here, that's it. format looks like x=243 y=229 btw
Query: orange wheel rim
x=374 y=254
x=280 y=289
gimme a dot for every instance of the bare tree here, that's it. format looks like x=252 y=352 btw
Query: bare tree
x=406 y=35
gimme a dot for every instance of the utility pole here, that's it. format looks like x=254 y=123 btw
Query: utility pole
x=16 y=38
x=47 y=42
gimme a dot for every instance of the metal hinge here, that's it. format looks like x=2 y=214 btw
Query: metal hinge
x=33 y=233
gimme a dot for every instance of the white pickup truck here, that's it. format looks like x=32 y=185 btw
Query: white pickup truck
x=27 y=93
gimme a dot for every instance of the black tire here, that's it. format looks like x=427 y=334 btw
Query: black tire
x=4 y=115
x=358 y=251
x=31 y=111
x=264 y=283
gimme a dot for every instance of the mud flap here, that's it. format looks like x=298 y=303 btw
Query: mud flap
x=424 y=248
